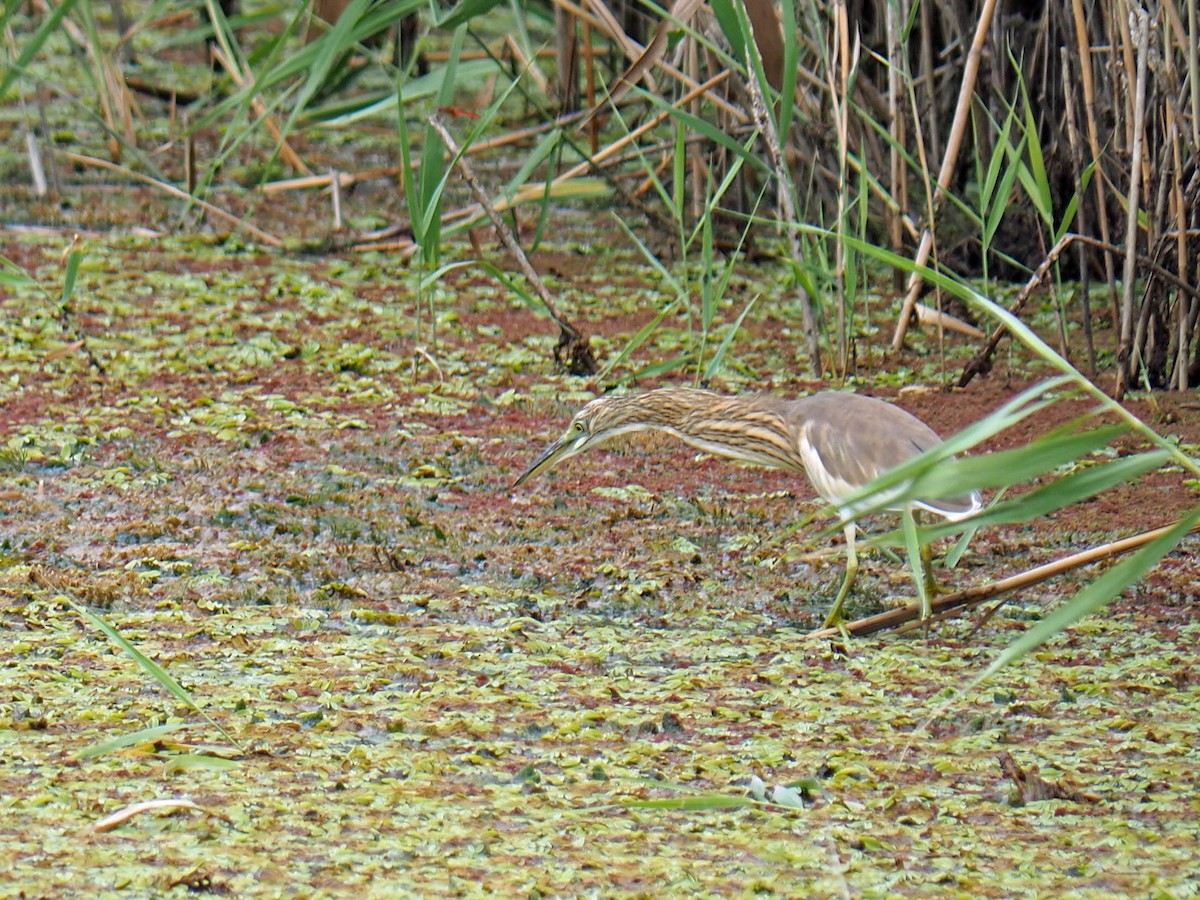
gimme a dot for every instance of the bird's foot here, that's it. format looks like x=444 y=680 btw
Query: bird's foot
x=833 y=620
x=835 y=611
x=933 y=588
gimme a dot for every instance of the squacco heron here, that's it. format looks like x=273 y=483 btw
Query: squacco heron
x=841 y=441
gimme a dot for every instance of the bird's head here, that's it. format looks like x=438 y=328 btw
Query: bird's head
x=603 y=418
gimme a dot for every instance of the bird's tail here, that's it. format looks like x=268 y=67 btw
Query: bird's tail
x=954 y=508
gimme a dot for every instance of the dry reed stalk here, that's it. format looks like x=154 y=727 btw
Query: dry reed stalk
x=189 y=162
x=665 y=158
x=494 y=50
x=398 y=250
x=1087 y=78
x=943 y=320
x=681 y=13
x=1125 y=349
x=1180 y=373
x=1144 y=338
x=928 y=80
x=526 y=63
x=696 y=156
x=567 y=57
x=1193 y=66
x=343 y=179
x=589 y=80
x=348 y=179
x=37 y=170
x=33 y=149
x=718 y=101
x=961 y=601
x=606 y=23
x=949 y=161
x=897 y=172
x=170 y=804
x=1174 y=137
x=566 y=52
x=335 y=201
x=1124 y=42
x=657 y=149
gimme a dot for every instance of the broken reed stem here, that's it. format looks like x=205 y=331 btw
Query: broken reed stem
x=571 y=337
x=980 y=363
x=960 y=601
x=37 y=171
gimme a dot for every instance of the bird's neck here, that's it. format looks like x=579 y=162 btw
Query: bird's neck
x=673 y=408
x=750 y=429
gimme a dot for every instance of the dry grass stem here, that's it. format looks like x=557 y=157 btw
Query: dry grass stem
x=244 y=80
x=257 y=233
x=949 y=161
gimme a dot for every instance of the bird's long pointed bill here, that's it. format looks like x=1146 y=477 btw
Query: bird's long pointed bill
x=549 y=457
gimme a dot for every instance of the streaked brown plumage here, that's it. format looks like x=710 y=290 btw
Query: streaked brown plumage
x=841 y=441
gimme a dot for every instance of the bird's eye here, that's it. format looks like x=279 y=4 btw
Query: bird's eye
x=579 y=426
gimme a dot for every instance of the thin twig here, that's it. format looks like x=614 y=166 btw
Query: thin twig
x=349 y=179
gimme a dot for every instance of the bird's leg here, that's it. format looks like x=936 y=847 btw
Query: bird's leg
x=932 y=588
x=918 y=560
x=835 y=613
